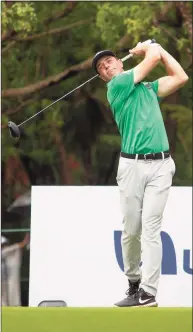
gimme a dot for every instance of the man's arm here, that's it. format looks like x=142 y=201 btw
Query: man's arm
x=25 y=241
x=176 y=75
x=151 y=60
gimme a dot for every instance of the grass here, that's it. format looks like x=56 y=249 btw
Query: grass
x=24 y=319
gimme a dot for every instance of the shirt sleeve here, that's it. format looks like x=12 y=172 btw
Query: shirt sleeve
x=9 y=250
x=155 y=85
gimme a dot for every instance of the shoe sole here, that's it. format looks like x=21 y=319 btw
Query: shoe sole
x=152 y=304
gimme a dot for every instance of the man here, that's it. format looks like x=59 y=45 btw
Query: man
x=10 y=271
x=145 y=168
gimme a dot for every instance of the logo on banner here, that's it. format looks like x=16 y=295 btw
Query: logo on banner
x=169 y=262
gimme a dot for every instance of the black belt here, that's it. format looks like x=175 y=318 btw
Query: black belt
x=147 y=156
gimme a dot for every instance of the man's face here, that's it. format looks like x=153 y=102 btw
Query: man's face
x=108 y=66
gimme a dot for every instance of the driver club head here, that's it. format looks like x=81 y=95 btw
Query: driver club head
x=13 y=130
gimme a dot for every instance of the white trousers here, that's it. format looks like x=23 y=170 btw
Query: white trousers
x=144 y=187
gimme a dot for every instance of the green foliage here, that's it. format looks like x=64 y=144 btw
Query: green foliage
x=110 y=140
x=20 y=17
x=109 y=21
x=136 y=19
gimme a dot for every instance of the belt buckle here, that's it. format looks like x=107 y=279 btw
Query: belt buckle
x=146 y=155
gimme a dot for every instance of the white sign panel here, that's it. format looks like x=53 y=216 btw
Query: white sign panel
x=76 y=255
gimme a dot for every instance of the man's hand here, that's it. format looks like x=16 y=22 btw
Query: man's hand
x=25 y=241
x=142 y=48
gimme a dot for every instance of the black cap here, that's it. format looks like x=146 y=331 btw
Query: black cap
x=99 y=55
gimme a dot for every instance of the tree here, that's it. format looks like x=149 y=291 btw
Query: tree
x=47 y=50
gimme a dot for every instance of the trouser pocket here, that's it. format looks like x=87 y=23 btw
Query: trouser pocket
x=125 y=173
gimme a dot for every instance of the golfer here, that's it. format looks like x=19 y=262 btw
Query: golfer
x=146 y=167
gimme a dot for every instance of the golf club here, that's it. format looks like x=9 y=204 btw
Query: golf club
x=14 y=128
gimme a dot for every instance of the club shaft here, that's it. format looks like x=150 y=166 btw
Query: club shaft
x=69 y=93
x=128 y=56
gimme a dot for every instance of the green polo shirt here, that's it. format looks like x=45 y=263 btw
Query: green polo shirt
x=136 y=110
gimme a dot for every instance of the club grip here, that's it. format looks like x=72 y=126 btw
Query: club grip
x=150 y=41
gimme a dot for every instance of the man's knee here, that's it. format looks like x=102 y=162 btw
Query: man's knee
x=151 y=227
x=130 y=236
x=132 y=225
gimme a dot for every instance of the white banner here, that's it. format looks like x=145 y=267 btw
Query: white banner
x=75 y=250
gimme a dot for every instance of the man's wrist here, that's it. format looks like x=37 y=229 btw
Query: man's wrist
x=163 y=53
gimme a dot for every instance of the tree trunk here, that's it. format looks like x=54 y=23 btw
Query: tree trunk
x=185 y=12
x=88 y=165
x=16 y=177
x=66 y=176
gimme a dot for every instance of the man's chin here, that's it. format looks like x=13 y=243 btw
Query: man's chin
x=112 y=75
x=109 y=77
